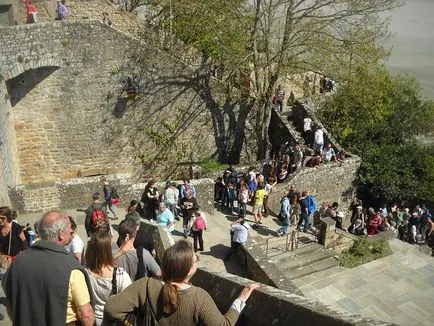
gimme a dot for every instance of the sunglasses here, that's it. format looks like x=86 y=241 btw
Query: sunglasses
x=197 y=259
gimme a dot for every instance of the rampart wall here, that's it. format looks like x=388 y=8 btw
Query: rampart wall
x=61 y=85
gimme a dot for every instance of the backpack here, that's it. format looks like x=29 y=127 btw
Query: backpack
x=199 y=223
x=141 y=272
x=97 y=220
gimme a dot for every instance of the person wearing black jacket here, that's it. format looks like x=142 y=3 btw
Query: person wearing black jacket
x=188 y=207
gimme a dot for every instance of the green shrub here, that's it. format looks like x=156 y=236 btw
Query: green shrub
x=210 y=165
x=364 y=251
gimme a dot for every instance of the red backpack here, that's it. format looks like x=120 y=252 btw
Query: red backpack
x=98 y=220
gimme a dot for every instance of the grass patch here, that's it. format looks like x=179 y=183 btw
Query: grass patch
x=364 y=251
x=210 y=165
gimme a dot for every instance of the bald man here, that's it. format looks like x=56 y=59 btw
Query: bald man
x=45 y=285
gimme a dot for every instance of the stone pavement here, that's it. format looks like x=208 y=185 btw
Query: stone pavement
x=398 y=288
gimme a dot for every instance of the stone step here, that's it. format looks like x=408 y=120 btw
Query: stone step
x=306 y=259
x=319 y=266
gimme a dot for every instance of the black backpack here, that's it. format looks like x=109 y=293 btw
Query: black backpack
x=141 y=271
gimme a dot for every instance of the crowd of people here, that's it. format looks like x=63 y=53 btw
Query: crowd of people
x=97 y=286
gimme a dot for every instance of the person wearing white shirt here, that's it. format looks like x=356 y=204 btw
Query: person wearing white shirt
x=319 y=140
x=76 y=246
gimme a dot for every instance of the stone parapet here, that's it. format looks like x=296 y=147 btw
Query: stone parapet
x=77 y=192
x=270 y=306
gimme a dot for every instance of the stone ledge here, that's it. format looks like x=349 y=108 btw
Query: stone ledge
x=270 y=306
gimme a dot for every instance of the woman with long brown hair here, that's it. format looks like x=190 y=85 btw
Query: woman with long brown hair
x=12 y=238
x=106 y=279
x=175 y=301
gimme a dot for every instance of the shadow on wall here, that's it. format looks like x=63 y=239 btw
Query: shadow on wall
x=120 y=108
x=19 y=86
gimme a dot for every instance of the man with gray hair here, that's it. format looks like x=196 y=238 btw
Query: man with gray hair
x=45 y=285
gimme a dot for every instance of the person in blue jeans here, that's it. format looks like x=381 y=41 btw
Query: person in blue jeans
x=304 y=215
x=284 y=215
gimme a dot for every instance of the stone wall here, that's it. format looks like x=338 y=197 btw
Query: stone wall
x=77 y=192
x=69 y=118
x=270 y=306
x=8 y=155
x=329 y=182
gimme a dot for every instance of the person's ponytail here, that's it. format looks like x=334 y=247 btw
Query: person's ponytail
x=170 y=298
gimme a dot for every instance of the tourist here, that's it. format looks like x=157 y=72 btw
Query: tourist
x=307 y=130
x=105 y=19
x=165 y=218
x=268 y=191
x=132 y=208
x=12 y=238
x=57 y=292
x=356 y=208
x=340 y=157
x=150 y=200
x=61 y=11
x=297 y=158
x=318 y=139
x=280 y=97
x=231 y=197
x=106 y=279
x=304 y=212
x=128 y=256
x=243 y=198
x=76 y=246
x=94 y=213
x=374 y=223
x=171 y=198
x=239 y=234
x=328 y=153
x=284 y=215
x=258 y=204
x=314 y=161
x=188 y=206
x=175 y=301
x=227 y=179
x=31 y=12
x=109 y=194
x=143 y=238
x=199 y=225
x=187 y=188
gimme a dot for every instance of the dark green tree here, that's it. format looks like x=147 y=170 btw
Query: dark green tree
x=381 y=118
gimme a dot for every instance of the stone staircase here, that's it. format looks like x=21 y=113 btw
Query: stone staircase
x=290 y=123
x=308 y=259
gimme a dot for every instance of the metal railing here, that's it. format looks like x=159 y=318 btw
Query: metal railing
x=291 y=241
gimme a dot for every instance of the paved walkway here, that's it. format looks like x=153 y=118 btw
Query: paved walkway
x=398 y=288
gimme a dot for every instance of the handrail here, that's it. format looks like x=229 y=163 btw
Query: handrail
x=291 y=240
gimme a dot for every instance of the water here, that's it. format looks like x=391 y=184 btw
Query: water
x=413 y=43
